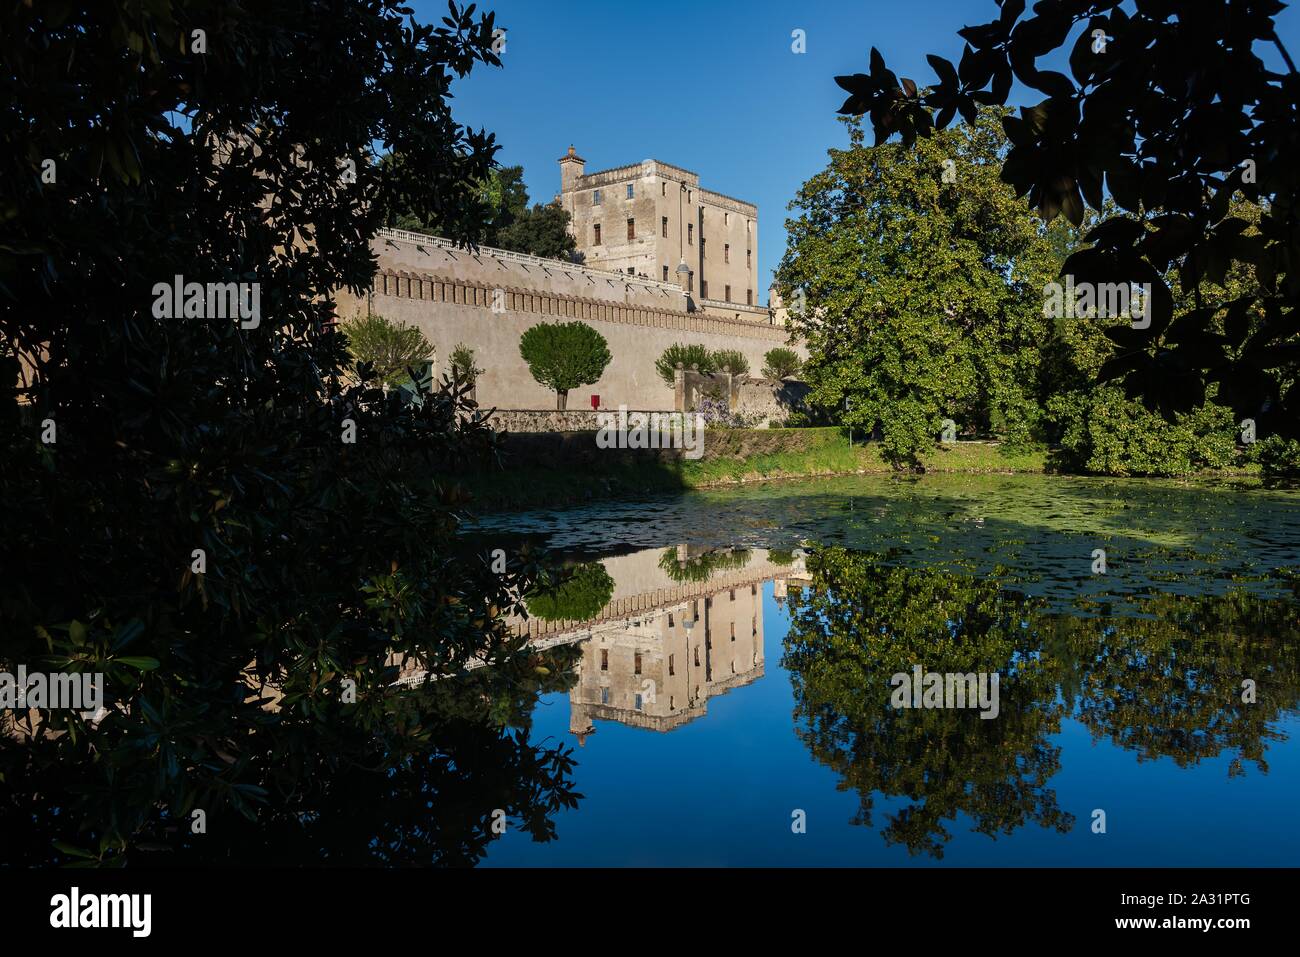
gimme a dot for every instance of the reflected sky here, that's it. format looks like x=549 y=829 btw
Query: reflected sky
x=1121 y=692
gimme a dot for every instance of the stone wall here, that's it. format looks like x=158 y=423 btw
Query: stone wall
x=487 y=302
x=772 y=399
x=767 y=401
x=547 y=420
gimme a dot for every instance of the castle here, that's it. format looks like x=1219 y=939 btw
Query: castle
x=653 y=219
x=703 y=242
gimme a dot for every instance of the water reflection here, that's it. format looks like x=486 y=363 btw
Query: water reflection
x=683 y=625
x=1166 y=684
x=721 y=648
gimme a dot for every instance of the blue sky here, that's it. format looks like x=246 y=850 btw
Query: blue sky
x=711 y=85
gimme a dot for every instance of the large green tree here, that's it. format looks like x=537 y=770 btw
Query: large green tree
x=540 y=231
x=1171 y=109
x=564 y=355
x=207 y=513
x=916 y=280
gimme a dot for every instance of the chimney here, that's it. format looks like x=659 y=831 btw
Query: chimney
x=572 y=167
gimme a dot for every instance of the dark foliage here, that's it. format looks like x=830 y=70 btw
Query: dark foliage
x=1171 y=110
x=246 y=161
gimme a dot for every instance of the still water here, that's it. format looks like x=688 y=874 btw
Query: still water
x=732 y=703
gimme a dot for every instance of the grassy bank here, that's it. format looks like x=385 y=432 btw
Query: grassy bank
x=732 y=457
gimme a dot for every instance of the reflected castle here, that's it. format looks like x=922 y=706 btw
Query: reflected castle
x=683 y=626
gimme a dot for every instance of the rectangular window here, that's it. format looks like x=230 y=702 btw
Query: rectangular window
x=665 y=274
x=690 y=281
x=604 y=659
x=630 y=193
x=726 y=218
x=670 y=619
x=749 y=259
x=733 y=631
x=595 y=197
x=637 y=663
x=671 y=670
x=704 y=289
x=597 y=228
x=663 y=224
x=726 y=252
x=631 y=269
x=631 y=228
x=663 y=189
x=638 y=702
x=729 y=300
x=749 y=297
x=690 y=234
x=604 y=696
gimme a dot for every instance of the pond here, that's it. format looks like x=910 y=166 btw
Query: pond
x=737 y=701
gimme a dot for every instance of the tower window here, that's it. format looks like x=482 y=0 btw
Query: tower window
x=631 y=228
x=597 y=228
x=663 y=222
x=637 y=663
x=665 y=274
x=749 y=297
x=728 y=288
x=595 y=197
x=726 y=252
x=690 y=234
x=604 y=659
x=630 y=192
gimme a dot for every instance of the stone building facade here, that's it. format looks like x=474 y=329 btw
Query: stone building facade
x=651 y=219
x=487 y=298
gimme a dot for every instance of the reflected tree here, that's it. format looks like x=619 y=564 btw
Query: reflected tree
x=1164 y=682
x=861 y=622
x=452 y=768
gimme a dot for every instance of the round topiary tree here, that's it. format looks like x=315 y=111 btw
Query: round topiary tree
x=564 y=355
x=781 y=362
